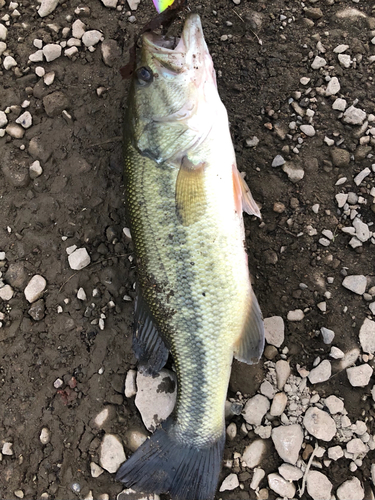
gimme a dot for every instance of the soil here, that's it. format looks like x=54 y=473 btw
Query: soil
x=79 y=200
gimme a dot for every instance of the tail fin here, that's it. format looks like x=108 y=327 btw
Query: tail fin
x=163 y=464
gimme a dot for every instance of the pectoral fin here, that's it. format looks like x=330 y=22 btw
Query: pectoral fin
x=242 y=195
x=250 y=345
x=149 y=347
x=190 y=192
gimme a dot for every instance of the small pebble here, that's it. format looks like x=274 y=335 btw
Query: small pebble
x=296 y=315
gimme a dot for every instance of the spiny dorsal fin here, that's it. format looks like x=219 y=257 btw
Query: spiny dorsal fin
x=242 y=195
x=250 y=345
x=190 y=192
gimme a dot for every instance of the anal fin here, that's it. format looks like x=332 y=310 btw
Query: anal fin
x=190 y=192
x=250 y=345
x=149 y=347
x=243 y=198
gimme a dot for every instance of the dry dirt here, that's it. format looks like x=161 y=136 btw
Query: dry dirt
x=80 y=197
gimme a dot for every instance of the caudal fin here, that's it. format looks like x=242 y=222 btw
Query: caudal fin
x=164 y=465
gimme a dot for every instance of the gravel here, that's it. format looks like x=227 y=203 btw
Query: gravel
x=253 y=453
x=355 y=283
x=319 y=424
x=274 y=330
x=288 y=440
x=35 y=288
x=112 y=453
x=359 y=376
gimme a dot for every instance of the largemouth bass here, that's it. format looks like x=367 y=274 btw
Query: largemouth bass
x=185 y=198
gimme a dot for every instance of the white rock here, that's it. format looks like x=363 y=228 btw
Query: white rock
x=355 y=283
x=354 y=116
x=7 y=448
x=341 y=199
x=79 y=259
x=231 y=431
x=6 y=292
x=319 y=487
x=340 y=49
x=327 y=334
x=36 y=56
x=350 y=490
x=359 y=376
x=3 y=32
x=25 y=120
x=356 y=446
x=308 y=130
x=71 y=52
x=15 y=130
x=345 y=60
x=95 y=469
x=9 y=62
x=320 y=373
x=335 y=452
x=101 y=418
x=35 y=288
x=278 y=405
x=3 y=119
x=230 y=483
x=3 y=47
x=280 y=486
x=361 y=176
x=253 y=453
x=45 y=435
x=318 y=62
x=255 y=409
x=81 y=294
x=92 y=37
x=334 y=404
x=40 y=71
x=52 y=51
x=49 y=78
x=112 y=453
x=133 y=4
x=296 y=315
x=156 y=397
x=47 y=7
x=362 y=231
x=267 y=389
x=333 y=86
x=134 y=495
x=130 y=384
x=112 y=4
x=372 y=308
x=78 y=29
x=367 y=336
x=339 y=104
x=319 y=424
x=134 y=439
x=294 y=173
x=257 y=477
x=278 y=161
x=274 y=330
x=290 y=472
x=288 y=441
x=282 y=368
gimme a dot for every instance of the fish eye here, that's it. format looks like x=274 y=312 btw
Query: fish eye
x=144 y=75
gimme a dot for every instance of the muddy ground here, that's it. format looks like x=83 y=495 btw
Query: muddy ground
x=79 y=200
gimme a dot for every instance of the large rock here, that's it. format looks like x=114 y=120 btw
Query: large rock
x=255 y=409
x=274 y=330
x=112 y=453
x=35 y=288
x=253 y=453
x=319 y=424
x=350 y=490
x=288 y=441
x=367 y=336
x=319 y=487
x=156 y=397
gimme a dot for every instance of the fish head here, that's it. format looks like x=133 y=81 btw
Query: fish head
x=172 y=85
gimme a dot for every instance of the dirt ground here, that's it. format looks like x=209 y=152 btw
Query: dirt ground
x=79 y=200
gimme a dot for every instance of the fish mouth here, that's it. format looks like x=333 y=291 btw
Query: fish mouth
x=190 y=46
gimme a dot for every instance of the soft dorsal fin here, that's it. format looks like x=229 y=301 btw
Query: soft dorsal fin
x=190 y=192
x=250 y=345
x=149 y=347
x=242 y=195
